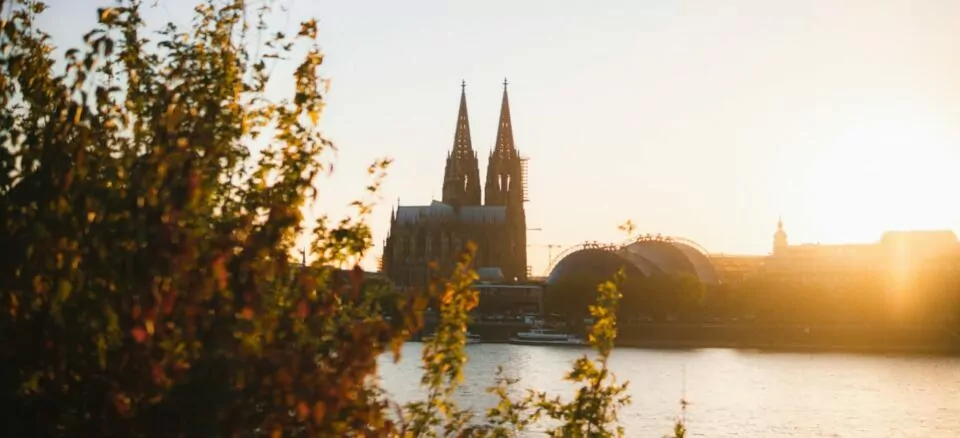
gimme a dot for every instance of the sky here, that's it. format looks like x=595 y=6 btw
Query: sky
x=702 y=119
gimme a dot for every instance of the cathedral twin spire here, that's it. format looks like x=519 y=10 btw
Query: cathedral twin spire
x=462 y=147
x=461 y=183
x=461 y=179
x=504 y=145
x=504 y=184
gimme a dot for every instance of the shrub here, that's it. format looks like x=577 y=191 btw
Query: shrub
x=147 y=283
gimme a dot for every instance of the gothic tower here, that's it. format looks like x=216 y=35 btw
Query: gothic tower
x=503 y=170
x=461 y=178
x=504 y=186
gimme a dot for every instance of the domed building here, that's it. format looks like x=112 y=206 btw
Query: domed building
x=646 y=257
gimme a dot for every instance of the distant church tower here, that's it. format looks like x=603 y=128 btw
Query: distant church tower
x=779 y=238
x=461 y=178
x=505 y=186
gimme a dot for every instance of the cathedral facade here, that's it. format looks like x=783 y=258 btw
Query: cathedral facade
x=495 y=222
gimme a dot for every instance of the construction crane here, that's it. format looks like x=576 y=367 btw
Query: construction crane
x=530 y=268
x=550 y=247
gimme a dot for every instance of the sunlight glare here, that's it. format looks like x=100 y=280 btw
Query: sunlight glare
x=886 y=175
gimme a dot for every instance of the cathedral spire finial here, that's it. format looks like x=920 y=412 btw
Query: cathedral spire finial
x=504 y=84
x=461 y=139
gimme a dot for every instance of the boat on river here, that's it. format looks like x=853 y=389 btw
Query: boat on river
x=546 y=336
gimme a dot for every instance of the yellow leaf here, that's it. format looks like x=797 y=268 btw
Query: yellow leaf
x=107 y=14
x=63 y=292
x=314 y=116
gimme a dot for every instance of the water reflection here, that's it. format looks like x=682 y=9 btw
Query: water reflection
x=733 y=393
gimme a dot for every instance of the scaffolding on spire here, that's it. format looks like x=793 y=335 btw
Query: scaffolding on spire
x=523 y=179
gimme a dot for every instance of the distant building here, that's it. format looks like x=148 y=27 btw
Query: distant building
x=901 y=260
x=498 y=297
x=424 y=234
x=510 y=299
x=734 y=270
x=900 y=257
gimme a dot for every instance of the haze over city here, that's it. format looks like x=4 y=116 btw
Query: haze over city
x=786 y=173
x=699 y=119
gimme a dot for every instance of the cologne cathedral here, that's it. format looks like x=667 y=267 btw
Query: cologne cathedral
x=421 y=234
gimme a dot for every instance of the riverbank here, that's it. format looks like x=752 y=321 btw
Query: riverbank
x=839 y=338
x=853 y=338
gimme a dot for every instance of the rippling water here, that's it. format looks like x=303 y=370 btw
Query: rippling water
x=733 y=393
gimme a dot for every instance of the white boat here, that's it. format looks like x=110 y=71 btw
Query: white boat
x=545 y=336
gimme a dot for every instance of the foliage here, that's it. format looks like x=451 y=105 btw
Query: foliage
x=685 y=291
x=570 y=294
x=594 y=409
x=444 y=356
x=148 y=287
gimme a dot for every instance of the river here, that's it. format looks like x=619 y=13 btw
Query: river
x=732 y=393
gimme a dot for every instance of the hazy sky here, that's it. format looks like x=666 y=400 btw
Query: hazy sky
x=700 y=119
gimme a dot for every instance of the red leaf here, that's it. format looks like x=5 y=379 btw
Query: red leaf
x=158 y=374
x=302 y=411
x=303 y=309
x=168 y=301
x=139 y=334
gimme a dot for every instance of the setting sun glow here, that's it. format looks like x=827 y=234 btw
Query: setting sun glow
x=884 y=175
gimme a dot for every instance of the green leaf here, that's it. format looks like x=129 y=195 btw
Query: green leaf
x=64 y=289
